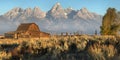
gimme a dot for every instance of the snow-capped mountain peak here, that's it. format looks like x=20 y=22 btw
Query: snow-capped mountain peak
x=58 y=3
x=13 y=13
x=56 y=12
x=19 y=13
x=83 y=13
x=84 y=10
x=38 y=13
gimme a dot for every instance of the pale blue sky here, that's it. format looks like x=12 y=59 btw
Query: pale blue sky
x=98 y=6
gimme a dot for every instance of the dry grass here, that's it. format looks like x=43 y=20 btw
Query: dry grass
x=83 y=47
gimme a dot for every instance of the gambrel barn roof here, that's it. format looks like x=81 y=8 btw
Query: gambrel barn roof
x=28 y=26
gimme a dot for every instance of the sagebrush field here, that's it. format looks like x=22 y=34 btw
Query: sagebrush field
x=84 y=47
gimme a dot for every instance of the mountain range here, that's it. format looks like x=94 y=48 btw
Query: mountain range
x=56 y=20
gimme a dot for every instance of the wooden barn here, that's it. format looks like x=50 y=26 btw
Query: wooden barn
x=27 y=30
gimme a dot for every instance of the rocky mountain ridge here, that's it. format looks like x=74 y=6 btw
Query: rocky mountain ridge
x=56 y=12
x=57 y=19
